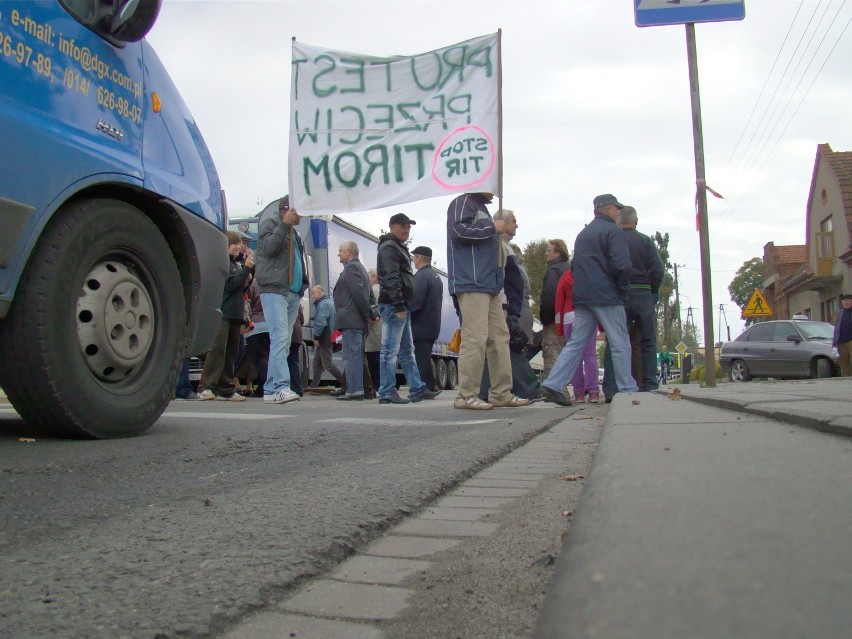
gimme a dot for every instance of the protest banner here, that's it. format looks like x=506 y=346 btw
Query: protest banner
x=369 y=132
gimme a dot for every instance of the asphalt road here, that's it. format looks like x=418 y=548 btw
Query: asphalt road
x=220 y=509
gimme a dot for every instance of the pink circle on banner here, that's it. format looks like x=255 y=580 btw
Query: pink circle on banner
x=459 y=155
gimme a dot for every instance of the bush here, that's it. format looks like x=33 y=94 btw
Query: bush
x=697 y=373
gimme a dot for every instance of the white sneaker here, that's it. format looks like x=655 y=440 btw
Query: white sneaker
x=281 y=397
x=236 y=397
x=206 y=394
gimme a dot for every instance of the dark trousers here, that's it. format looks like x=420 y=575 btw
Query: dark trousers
x=423 y=357
x=642 y=328
x=372 y=358
x=524 y=381
x=184 y=386
x=218 y=374
x=295 y=369
x=323 y=360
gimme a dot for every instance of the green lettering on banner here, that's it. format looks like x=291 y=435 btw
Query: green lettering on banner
x=367 y=122
x=416 y=77
x=382 y=151
x=359 y=71
x=359 y=127
x=376 y=158
x=378 y=120
x=323 y=93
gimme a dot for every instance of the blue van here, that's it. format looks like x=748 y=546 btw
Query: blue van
x=113 y=220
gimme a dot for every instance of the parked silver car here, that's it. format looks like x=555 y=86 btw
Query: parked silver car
x=782 y=349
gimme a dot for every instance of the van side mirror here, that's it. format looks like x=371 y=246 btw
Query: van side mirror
x=133 y=19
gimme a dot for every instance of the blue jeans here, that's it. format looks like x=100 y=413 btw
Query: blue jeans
x=586 y=319
x=353 y=360
x=397 y=342
x=280 y=312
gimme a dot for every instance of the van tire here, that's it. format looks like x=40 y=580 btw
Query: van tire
x=69 y=374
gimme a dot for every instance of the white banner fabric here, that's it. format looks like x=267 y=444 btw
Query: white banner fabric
x=368 y=132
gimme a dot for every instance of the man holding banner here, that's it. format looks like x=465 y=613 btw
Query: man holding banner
x=476 y=272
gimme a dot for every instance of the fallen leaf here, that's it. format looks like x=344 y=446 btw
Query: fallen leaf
x=573 y=477
x=635 y=402
x=208 y=501
x=26 y=440
x=675 y=394
x=567 y=513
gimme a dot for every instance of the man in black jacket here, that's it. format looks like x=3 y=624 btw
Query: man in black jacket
x=426 y=307
x=396 y=291
x=217 y=376
x=557 y=263
x=645 y=277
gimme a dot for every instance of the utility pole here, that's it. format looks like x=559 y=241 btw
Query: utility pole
x=701 y=201
x=677 y=302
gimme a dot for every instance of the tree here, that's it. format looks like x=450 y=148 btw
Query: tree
x=666 y=308
x=748 y=278
x=536 y=265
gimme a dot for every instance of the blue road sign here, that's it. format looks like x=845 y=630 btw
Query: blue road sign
x=651 y=13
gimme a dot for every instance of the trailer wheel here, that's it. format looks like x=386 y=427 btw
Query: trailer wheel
x=93 y=341
x=440 y=372
x=452 y=375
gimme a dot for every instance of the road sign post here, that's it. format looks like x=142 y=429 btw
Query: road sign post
x=662 y=12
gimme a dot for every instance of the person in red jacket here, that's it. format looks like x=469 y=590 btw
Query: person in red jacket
x=585 y=378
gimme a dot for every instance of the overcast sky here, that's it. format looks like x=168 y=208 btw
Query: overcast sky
x=592 y=104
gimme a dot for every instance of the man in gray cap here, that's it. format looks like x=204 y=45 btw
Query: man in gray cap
x=426 y=310
x=601 y=270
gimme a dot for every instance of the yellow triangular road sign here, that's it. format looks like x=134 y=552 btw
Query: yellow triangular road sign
x=757 y=306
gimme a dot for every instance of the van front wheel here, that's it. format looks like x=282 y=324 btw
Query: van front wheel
x=95 y=336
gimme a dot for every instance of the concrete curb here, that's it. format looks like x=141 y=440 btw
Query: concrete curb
x=825 y=425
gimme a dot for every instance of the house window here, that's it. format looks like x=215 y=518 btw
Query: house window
x=825 y=240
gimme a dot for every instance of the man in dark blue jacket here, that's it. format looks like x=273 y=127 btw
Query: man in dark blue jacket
x=645 y=278
x=601 y=275
x=476 y=263
x=426 y=307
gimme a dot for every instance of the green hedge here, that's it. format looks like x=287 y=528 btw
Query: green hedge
x=697 y=373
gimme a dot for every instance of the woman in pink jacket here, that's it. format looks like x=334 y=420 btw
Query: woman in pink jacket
x=585 y=380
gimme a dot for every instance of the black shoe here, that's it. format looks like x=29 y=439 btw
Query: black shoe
x=337 y=392
x=350 y=398
x=369 y=395
x=393 y=399
x=429 y=394
x=554 y=397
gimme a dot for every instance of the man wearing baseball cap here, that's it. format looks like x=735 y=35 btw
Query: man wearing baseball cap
x=426 y=308
x=396 y=292
x=601 y=270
